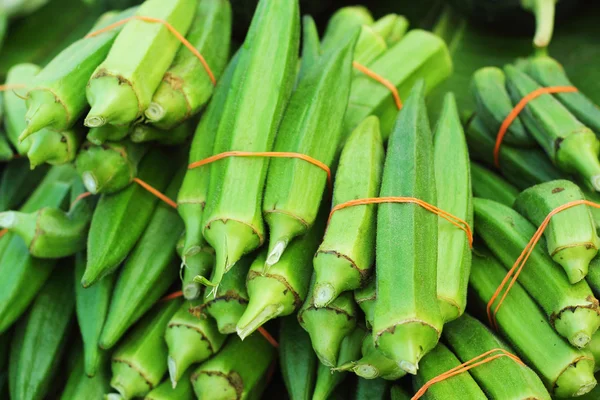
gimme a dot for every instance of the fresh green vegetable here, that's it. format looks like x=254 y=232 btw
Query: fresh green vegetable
x=365 y=298
x=148 y=133
x=373 y=364
x=81 y=387
x=489 y=185
x=196 y=264
x=17 y=182
x=54 y=148
x=369 y=47
x=311 y=46
x=165 y=391
x=108 y=132
x=297 y=359
x=20 y=76
x=398 y=393
x=392 y=27
x=372 y=389
x=6 y=152
x=344 y=21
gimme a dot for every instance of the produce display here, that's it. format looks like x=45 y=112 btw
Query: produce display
x=304 y=211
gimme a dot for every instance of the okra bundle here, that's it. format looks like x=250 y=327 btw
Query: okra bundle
x=344 y=21
x=297 y=359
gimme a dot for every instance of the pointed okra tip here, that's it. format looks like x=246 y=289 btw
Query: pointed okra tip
x=113 y=396
x=275 y=254
x=324 y=294
x=172 y=367
x=409 y=367
x=8 y=219
x=255 y=317
x=155 y=112
x=90 y=182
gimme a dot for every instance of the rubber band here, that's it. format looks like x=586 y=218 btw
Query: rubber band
x=172 y=296
x=4 y=88
x=155 y=192
x=3 y=232
x=270 y=154
x=458 y=222
x=172 y=29
x=375 y=76
x=520 y=262
x=464 y=367
x=80 y=197
x=514 y=113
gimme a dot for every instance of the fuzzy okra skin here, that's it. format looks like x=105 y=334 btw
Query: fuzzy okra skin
x=40 y=338
x=14 y=106
x=109 y=167
x=186 y=87
x=107 y=132
x=294 y=187
x=17 y=182
x=297 y=359
x=548 y=72
x=461 y=386
x=373 y=364
x=166 y=391
x=398 y=393
x=571 y=234
x=346 y=256
x=408 y=321
x=54 y=148
x=493 y=104
x=365 y=298
x=238 y=371
x=327 y=326
x=502 y=378
x=429 y=60
x=454 y=194
x=191 y=338
x=120 y=219
x=391 y=27
x=372 y=389
x=565 y=370
x=22 y=274
x=140 y=361
x=344 y=21
x=311 y=46
x=230 y=300
x=56 y=99
x=570 y=145
x=82 y=387
x=489 y=185
x=233 y=223
x=369 y=46
x=121 y=87
x=147 y=273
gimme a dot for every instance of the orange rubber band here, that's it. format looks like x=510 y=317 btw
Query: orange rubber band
x=464 y=367
x=458 y=222
x=4 y=88
x=155 y=192
x=172 y=296
x=80 y=197
x=170 y=27
x=520 y=262
x=520 y=107
x=3 y=232
x=375 y=76
x=271 y=154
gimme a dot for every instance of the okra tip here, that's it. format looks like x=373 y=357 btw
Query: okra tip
x=90 y=182
x=256 y=315
x=576 y=380
x=113 y=396
x=8 y=219
x=282 y=229
x=275 y=252
x=111 y=102
x=575 y=261
x=578 y=324
x=174 y=372
x=128 y=381
x=40 y=116
x=324 y=293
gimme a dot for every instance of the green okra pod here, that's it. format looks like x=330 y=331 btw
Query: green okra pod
x=82 y=387
x=398 y=393
x=198 y=264
x=392 y=27
x=311 y=46
x=148 y=272
x=186 y=86
x=565 y=370
x=22 y=274
x=230 y=300
x=233 y=222
x=347 y=254
x=20 y=76
x=369 y=47
x=54 y=148
x=238 y=371
x=297 y=359
x=121 y=87
x=109 y=167
x=6 y=152
x=548 y=72
x=107 y=132
x=40 y=338
x=408 y=321
x=503 y=378
x=120 y=219
x=327 y=326
x=191 y=338
x=365 y=298
x=461 y=386
x=56 y=99
x=593 y=276
x=570 y=308
x=140 y=361
x=489 y=185
x=175 y=136
x=373 y=364
x=570 y=145
x=372 y=389
x=493 y=104
x=571 y=237
x=343 y=22
x=166 y=391
x=17 y=182
x=454 y=195
x=294 y=187
x=594 y=348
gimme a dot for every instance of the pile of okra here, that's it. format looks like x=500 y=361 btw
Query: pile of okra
x=182 y=217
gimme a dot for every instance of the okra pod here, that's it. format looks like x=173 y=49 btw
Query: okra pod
x=148 y=272
x=461 y=386
x=120 y=219
x=594 y=348
x=391 y=27
x=408 y=321
x=429 y=60
x=565 y=370
x=140 y=361
x=365 y=298
x=369 y=47
x=14 y=106
x=454 y=194
x=6 y=152
x=294 y=187
x=165 y=391
x=502 y=378
x=82 y=387
x=54 y=148
x=40 y=338
x=347 y=254
x=175 y=136
x=570 y=308
x=372 y=389
x=17 y=182
x=231 y=298
x=186 y=87
x=191 y=338
x=570 y=145
x=327 y=326
x=493 y=104
x=297 y=359
x=238 y=371
x=548 y=72
x=109 y=167
x=56 y=99
x=593 y=276
x=343 y=22
x=571 y=237
x=489 y=185
x=120 y=91
x=398 y=393
x=373 y=364
x=108 y=132
x=196 y=264
x=233 y=223
x=311 y=47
